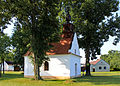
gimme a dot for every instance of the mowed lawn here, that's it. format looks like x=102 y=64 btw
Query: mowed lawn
x=97 y=79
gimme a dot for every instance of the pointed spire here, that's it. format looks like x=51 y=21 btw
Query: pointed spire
x=68 y=17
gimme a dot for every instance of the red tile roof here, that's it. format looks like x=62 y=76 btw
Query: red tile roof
x=28 y=53
x=63 y=46
x=95 y=62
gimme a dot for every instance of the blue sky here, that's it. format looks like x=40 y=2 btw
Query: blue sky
x=108 y=45
x=104 y=50
x=9 y=30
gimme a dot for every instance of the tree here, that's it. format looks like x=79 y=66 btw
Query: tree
x=4 y=48
x=94 y=22
x=39 y=18
x=21 y=44
x=113 y=59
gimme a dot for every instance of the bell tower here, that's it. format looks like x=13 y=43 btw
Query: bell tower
x=68 y=27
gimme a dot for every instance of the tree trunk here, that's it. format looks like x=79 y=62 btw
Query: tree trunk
x=0 y=70
x=3 y=66
x=34 y=43
x=35 y=57
x=87 y=55
x=36 y=69
x=39 y=77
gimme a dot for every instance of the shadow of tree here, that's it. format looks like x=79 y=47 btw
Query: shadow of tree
x=53 y=80
x=11 y=76
x=95 y=80
x=99 y=80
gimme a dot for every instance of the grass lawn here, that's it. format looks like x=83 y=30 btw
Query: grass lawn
x=97 y=79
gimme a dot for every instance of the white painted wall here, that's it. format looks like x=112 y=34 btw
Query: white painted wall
x=59 y=65
x=7 y=67
x=75 y=46
x=11 y=67
x=101 y=64
x=28 y=67
x=75 y=60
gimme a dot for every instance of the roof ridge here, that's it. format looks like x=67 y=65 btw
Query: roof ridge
x=95 y=62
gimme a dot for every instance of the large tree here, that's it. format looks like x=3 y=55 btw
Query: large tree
x=39 y=18
x=94 y=22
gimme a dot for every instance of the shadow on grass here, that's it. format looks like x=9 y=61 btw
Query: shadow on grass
x=99 y=80
x=11 y=76
x=96 y=80
x=53 y=80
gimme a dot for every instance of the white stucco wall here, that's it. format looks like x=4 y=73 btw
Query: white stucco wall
x=28 y=67
x=75 y=60
x=75 y=47
x=101 y=64
x=11 y=67
x=59 y=65
x=7 y=67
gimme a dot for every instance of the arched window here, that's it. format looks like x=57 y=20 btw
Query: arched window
x=46 y=66
x=75 y=51
x=75 y=69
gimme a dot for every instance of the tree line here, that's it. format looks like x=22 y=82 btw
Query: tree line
x=113 y=59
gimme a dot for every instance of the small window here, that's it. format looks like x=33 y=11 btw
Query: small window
x=100 y=68
x=105 y=67
x=75 y=51
x=75 y=69
x=46 y=66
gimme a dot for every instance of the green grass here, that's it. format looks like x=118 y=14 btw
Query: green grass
x=97 y=79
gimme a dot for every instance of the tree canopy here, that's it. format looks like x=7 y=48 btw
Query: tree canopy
x=39 y=17
x=94 y=22
x=113 y=59
x=4 y=47
x=21 y=44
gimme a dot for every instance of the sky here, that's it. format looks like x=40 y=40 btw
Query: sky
x=9 y=30
x=104 y=49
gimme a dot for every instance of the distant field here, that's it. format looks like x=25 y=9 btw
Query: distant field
x=97 y=79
